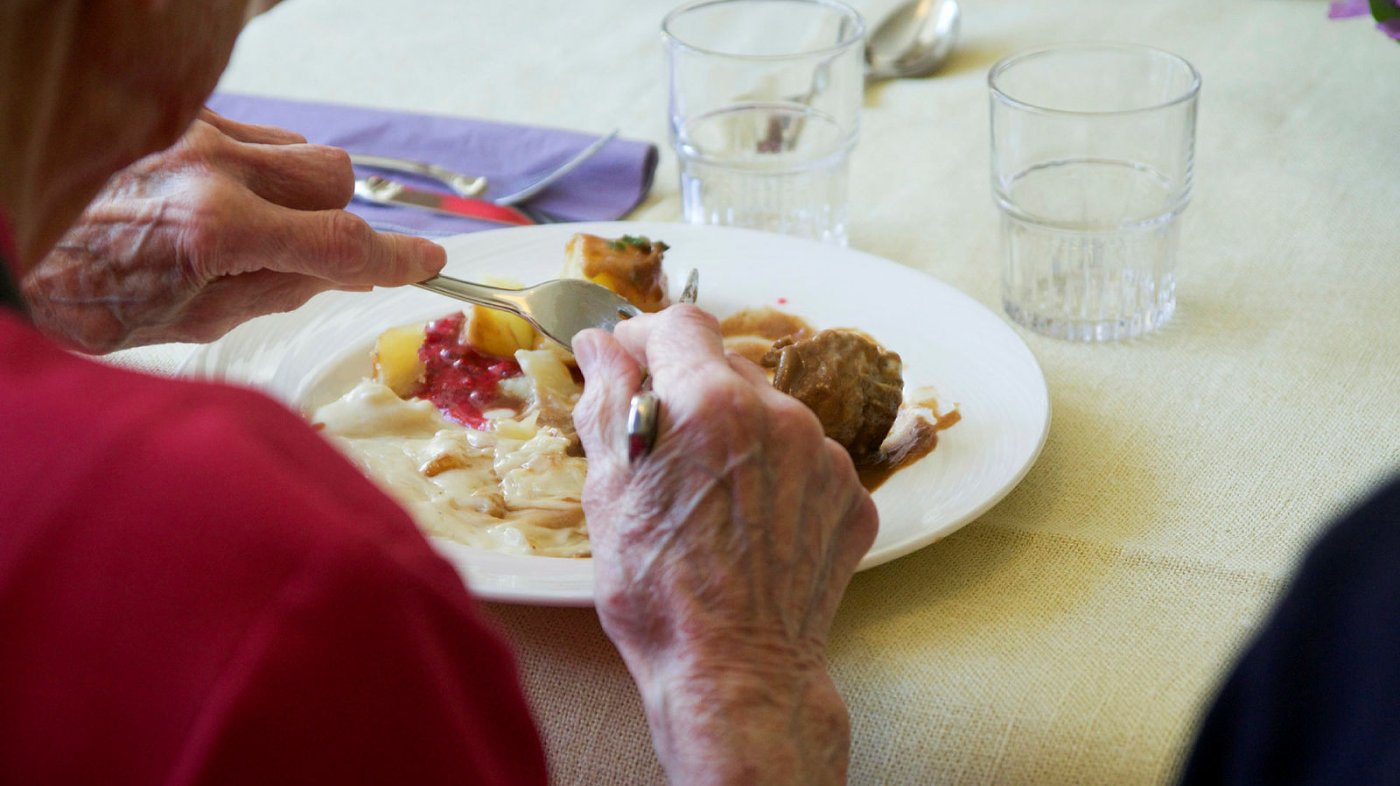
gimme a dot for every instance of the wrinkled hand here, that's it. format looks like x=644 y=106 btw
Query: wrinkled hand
x=232 y=222
x=721 y=557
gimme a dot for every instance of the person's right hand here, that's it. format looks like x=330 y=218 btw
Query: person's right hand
x=233 y=221
x=720 y=558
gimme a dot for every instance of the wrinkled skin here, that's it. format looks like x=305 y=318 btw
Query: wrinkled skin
x=720 y=559
x=232 y=222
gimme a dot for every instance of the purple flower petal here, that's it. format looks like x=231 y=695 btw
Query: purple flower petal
x=1343 y=9
x=1390 y=27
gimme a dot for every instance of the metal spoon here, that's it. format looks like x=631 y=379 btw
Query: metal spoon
x=915 y=40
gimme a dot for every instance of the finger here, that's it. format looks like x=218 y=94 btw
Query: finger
x=340 y=247
x=251 y=132
x=747 y=369
x=611 y=376
x=299 y=176
x=754 y=374
x=232 y=300
x=681 y=342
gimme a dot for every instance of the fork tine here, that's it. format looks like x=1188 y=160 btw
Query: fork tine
x=539 y=216
x=692 y=287
x=563 y=169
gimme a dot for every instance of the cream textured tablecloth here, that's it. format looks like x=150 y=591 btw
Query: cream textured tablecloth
x=1072 y=634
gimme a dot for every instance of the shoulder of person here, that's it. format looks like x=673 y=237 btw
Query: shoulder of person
x=187 y=467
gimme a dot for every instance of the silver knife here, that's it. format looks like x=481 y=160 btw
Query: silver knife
x=388 y=192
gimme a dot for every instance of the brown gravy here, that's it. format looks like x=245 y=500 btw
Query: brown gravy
x=750 y=333
x=763 y=322
x=918 y=441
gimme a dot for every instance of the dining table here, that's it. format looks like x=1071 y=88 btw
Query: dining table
x=1075 y=632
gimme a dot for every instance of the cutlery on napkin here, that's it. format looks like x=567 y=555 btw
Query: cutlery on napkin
x=388 y=192
x=606 y=187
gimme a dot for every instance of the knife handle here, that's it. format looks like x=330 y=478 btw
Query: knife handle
x=388 y=192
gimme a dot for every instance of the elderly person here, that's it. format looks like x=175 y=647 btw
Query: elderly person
x=195 y=588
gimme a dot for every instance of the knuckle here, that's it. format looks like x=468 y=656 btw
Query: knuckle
x=835 y=452
x=336 y=171
x=792 y=411
x=348 y=241
x=865 y=520
x=586 y=421
x=209 y=146
x=202 y=132
x=723 y=400
x=796 y=424
x=694 y=314
x=860 y=526
x=204 y=225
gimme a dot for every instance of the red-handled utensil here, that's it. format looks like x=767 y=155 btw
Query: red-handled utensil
x=388 y=192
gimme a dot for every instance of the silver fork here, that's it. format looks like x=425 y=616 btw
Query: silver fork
x=473 y=185
x=559 y=309
x=516 y=197
x=463 y=185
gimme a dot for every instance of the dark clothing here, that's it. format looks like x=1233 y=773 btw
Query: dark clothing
x=1316 y=699
x=9 y=291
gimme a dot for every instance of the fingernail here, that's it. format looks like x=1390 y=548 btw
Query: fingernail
x=434 y=255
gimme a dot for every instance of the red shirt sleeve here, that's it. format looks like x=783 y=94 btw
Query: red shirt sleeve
x=363 y=673
x=195 y=588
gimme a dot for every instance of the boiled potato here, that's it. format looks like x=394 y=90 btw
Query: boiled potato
x=396 y=361
x=498 y=333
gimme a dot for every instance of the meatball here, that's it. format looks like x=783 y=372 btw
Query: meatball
x=854 y=385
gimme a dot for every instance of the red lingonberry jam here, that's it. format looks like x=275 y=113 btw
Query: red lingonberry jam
x=460 y=381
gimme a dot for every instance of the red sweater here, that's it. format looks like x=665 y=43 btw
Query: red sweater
x=196 y=589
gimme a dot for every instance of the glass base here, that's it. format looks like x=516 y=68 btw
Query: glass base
x=1095 y=331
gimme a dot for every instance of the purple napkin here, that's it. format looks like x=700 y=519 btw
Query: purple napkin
x=605 y=187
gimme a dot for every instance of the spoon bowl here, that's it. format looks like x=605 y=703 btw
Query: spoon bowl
x=913 y=41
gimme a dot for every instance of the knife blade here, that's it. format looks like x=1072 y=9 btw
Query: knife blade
x=384 y=191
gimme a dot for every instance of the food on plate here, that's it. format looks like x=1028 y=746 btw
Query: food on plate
x=480 y=449
x=467 y=419
x=396 y=360
x=629 y=266
x=854 y=385
x=499 y=333
x=853 y=396
x=752 y=331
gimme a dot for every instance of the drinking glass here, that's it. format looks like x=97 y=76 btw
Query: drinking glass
x=1092 y=155
x=764 y=105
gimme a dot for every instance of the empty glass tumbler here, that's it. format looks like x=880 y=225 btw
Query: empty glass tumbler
x=765 y=97
x=1092 y=154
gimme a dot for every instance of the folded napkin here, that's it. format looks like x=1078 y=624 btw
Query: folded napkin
x=605 y=187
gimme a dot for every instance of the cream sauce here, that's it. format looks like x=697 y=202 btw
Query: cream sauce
x=512 y=488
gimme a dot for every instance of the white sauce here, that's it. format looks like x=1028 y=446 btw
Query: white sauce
x=513 y=488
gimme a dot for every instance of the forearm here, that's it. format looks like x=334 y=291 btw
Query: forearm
x=725 y=726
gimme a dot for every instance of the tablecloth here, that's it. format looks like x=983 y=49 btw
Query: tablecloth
x=1072 y=634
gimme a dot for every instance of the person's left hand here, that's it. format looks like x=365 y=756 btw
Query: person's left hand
x=232 y=222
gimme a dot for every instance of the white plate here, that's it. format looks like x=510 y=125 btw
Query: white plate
x=949 y=342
